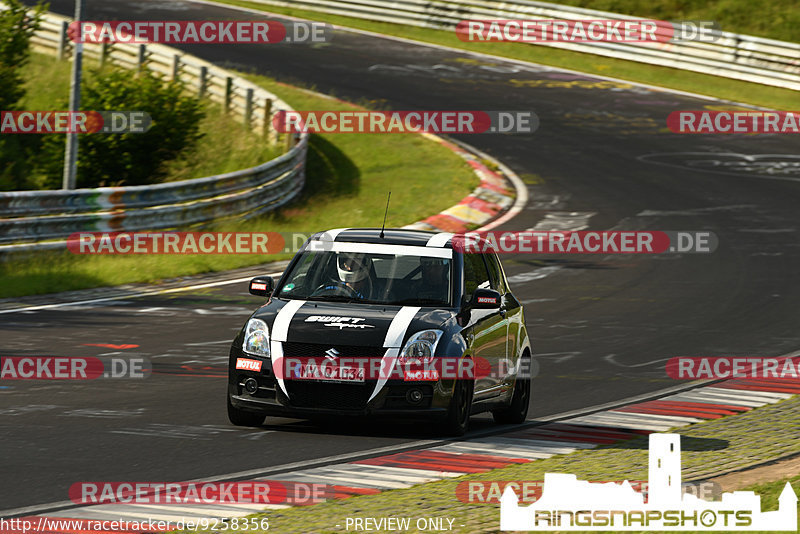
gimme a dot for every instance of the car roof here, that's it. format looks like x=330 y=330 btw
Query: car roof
x=391 y=236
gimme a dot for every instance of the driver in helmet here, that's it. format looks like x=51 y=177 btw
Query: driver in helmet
x=354 y=274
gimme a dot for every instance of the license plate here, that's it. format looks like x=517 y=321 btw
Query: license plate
x=331 y=373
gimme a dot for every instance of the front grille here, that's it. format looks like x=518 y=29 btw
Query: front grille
x=308 y=394
x=317 y=350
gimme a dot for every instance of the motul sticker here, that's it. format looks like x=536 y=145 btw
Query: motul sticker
x=248 y=365
x=258 y=286
x=488 y=300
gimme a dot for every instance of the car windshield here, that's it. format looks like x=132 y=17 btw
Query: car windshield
x=398 y=279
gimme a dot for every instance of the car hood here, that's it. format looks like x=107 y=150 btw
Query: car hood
x=348 y=323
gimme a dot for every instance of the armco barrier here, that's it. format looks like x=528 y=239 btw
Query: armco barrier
x=31 y=216
x=744 y=57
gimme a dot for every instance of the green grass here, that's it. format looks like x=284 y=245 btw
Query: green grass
x=775 y=19
x=708 y=448
x=724 y=88
x=348 y=177
x=225 y=146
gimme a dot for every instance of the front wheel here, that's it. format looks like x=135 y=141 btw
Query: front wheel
x=242 y=417
x=458 y=417
x=517 y=411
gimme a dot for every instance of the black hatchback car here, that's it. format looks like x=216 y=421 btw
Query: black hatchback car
x=395 y=323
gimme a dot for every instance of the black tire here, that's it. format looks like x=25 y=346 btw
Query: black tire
x=242 y=417
x=457 y=420
x=517 y=411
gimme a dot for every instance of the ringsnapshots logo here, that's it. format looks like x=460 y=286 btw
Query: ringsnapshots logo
x=569 y=504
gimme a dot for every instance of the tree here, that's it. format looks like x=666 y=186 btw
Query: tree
x=16 y=28
x=130 y=158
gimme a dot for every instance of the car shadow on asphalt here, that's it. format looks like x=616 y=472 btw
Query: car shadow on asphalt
x=371 y=427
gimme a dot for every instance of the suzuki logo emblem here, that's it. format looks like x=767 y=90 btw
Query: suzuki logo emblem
x=331 y=354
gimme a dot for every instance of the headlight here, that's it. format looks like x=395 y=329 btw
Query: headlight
x=256 y=338
x=421 y=347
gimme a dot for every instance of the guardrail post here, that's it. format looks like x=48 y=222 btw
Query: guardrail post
x=62 y=40
x=176 y=66
x=103 y=52
x=290 y=141
x=141 y=56
x=267 y=118
x=228 y=93
x=248 y=107
x=201 y=87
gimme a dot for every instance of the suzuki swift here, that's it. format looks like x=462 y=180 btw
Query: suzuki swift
x=392 y=323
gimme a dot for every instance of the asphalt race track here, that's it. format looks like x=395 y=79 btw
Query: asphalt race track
x=602 y=326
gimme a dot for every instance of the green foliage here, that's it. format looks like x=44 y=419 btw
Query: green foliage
x=776 y=19
x=129 y=158
x=16 y=28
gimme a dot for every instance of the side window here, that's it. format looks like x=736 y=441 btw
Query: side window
x=475 y=274
x=496 y=272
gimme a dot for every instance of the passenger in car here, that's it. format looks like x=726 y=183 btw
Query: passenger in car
x=434 y=283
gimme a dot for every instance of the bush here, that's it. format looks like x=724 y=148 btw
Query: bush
x=16 y=28
x=130 y=158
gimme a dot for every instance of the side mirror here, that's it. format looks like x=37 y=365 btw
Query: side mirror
x=262 y=286
x=485 y=299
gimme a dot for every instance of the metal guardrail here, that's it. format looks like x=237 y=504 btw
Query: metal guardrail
x=744 y=57
x=32 y=216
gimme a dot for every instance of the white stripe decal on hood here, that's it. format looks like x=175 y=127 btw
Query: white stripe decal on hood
x=280 y=330
x=393 y=342
x=280 y=327
x=397 y=329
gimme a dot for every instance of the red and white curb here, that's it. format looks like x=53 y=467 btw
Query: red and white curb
x=479 y=455
x=494 y=195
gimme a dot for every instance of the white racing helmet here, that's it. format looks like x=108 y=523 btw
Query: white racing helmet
x=352 y=266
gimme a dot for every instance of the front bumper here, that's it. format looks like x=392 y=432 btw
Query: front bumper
x=307 y=398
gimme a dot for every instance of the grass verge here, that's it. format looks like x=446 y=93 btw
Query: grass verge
x=708 y=448
x=347 y=179
x=724 y=88
x=774 y=19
